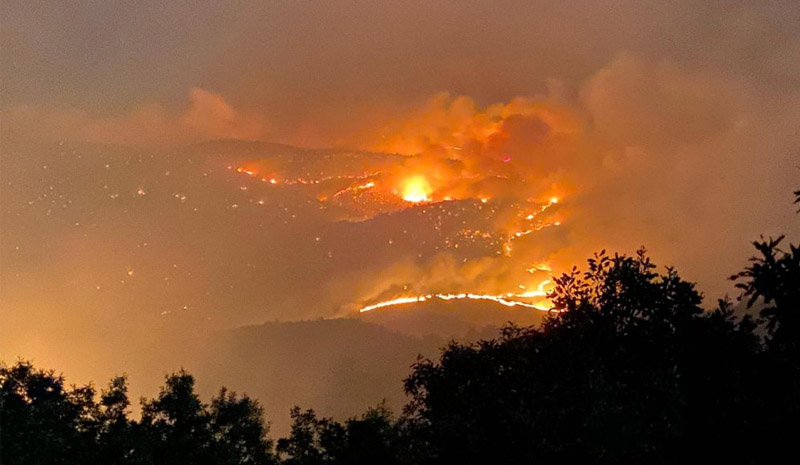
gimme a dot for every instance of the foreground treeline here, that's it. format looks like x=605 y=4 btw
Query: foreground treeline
x=632 y=371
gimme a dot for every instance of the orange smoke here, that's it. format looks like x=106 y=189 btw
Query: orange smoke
x=515 y=150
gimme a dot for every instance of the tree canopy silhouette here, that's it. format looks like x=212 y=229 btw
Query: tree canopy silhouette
x=629 y=370
x=374 y=437
x=43 y=422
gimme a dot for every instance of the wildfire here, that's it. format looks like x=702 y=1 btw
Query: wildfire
x=252 y=172
x=416 y=189
x=356 y=188
x=508 y=300
x=500 y=299
x=477 y=174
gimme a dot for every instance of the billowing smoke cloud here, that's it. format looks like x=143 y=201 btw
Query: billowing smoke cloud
x=463 y=147
x=208 y=116
x=646 y=153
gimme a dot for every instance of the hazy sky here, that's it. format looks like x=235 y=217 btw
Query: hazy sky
x=674 y=125
x=317 y=62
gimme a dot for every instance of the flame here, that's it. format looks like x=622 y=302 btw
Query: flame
x=500 y=299
x=355 y=188
x=416 y=189
x=509 y=300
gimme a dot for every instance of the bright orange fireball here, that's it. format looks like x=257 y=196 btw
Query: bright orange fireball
x=416 y=189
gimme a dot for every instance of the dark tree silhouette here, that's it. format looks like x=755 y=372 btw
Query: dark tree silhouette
x=773 y=280
x=177 y=428
x=630 y=370
x=774 y=277
x=177 y=423
x=310 y=439
x=41 y=420
x=116 y=442
x=372 y=438
x=238 y=432
x=42 y=423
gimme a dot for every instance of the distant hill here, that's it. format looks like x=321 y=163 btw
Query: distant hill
x=341 y=366
x=337 y=367
x=463 y=319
